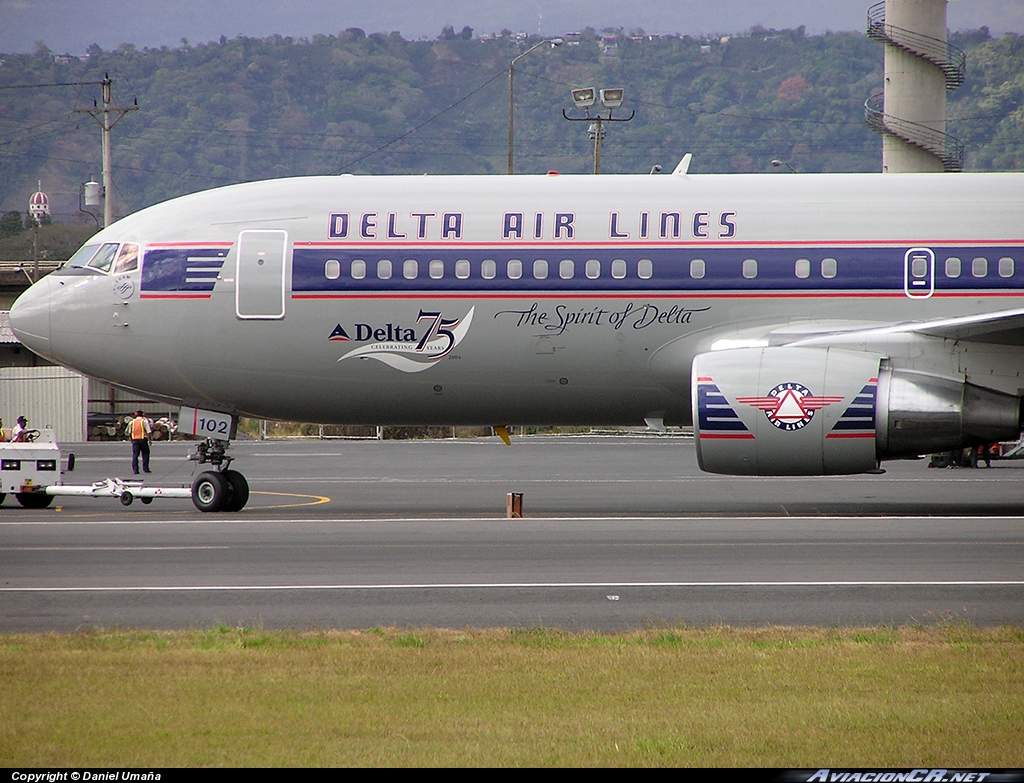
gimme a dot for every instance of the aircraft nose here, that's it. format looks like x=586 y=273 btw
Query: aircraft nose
x=30 y=317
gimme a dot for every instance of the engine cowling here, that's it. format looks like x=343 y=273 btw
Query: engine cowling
x=787 y=411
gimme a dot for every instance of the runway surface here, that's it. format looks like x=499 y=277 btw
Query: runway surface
x=620 y=532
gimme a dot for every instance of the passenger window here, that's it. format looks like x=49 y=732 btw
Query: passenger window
x=828 y=268
x=698 y=268
x=644 y=269
x=358 y=269
x=593 y=268
x=979 y=267
x=103 y=259
x=436 y=269
x=566 y=269
x=919 y=266
x=128 y=260
x=462 y=269
x=952 y=267
x=332 y=269
x=410 y=269
x=750 y=268
x=488 y=269
x=384 y=269
x=540 y=269
x=618 y=269
x=1006 y=267
x=515 y=269
x=803 y=268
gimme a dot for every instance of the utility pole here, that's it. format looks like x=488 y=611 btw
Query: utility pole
x=107 y=123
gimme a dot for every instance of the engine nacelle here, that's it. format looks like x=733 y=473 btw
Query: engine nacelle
x=785 y=411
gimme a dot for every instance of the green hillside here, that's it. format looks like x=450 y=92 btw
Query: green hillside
x=246 y=108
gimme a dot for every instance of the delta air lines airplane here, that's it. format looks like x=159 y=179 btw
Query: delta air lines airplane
x=803 y=324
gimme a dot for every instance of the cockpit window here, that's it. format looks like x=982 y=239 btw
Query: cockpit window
x=83 y=256
x=104 y=258
x=128 y=260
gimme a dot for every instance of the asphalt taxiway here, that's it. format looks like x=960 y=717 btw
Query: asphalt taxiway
x=619 y=532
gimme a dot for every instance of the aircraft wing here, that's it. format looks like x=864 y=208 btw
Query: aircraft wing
x=1002 y=328
x=1005 y=327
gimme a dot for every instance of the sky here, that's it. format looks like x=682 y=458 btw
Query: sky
x=71 y=26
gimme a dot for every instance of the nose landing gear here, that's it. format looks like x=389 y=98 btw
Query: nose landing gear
x=222 y=489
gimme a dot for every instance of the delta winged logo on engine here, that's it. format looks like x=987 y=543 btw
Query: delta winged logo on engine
x=405 y=348
x=789 y=406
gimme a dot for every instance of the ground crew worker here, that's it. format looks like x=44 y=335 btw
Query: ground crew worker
x=18 y=433
x=139 y=429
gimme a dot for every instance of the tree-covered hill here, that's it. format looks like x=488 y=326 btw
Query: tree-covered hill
x=246 y=108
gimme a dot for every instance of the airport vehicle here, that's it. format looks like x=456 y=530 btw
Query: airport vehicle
x=803 y=324
x=32 y=472
x=28 y=467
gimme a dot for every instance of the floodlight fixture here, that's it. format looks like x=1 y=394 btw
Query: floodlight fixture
x=584 y=97
x=612 y=99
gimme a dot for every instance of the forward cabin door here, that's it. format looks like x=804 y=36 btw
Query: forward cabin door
x=260 y=267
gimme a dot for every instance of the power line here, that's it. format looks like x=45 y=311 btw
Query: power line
x=40 y=86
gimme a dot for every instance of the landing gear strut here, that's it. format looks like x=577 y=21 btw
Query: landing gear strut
x=221 y=489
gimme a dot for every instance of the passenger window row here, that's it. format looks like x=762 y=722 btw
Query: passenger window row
x=802 y=268
x=979 y=267
x=513 y=269
x=830 y=267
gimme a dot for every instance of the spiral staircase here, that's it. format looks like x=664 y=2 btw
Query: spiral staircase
x=947 y=58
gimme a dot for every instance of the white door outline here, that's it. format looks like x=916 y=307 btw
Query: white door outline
x=919 y=273
x=260 y=265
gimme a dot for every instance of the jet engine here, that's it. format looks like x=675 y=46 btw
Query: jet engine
x=787 y=411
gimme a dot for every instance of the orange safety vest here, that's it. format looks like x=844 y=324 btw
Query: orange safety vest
x=138 y=428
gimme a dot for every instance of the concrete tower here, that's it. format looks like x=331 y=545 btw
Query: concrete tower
x=920 y=67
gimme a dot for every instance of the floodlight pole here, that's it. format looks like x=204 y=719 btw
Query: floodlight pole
x=598 y=138
x=511 y=100
x=597 y=130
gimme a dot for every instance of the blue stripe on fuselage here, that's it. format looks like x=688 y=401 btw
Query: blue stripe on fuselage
x=857 y=268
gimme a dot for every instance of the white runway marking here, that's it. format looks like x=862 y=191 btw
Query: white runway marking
x=702 y=479
x=499 y=586
x=248 y=517
x=112 y=548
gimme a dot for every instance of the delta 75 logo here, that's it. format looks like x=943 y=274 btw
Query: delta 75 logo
x=789 y=406
x=409 y=349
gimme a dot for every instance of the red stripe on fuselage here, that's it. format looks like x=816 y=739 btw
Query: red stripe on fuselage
x=695 y=294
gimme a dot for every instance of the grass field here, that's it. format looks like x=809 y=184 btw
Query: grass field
x=949 y=696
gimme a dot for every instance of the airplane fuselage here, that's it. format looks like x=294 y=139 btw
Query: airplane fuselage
x=525 y=300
